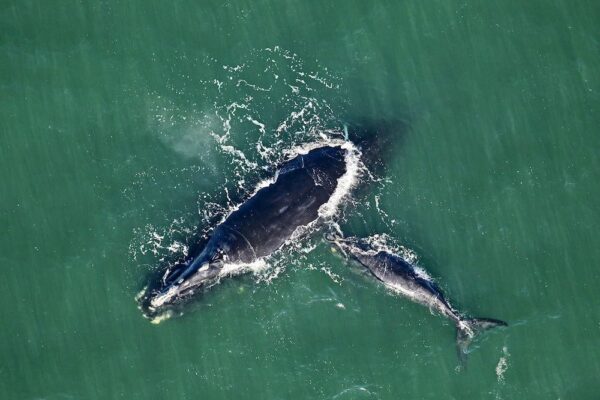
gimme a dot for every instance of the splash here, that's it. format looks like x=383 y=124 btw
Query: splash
x=328 y=210
x=267 y=108
x=346 y=183
x=502 y=365
x=384 y=242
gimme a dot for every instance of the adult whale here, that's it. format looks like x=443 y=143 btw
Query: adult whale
x=402 y=277
x=305 y=188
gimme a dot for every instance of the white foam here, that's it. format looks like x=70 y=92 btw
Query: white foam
x=327 y=210
x=162 y=317
x=423 y=274
x=332 y=275
x=233 y=269
x=261 y=126
x=295 y=115
x=253 y=86
x=384 y=242
x=502 y=365
x=158 y=301
x=310 y=117
x=141 y=293
x=239 y=155
x=346 y=183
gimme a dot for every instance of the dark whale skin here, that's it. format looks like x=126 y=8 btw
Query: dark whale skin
x=267 y=219
x=261 y=224
x=397 y=273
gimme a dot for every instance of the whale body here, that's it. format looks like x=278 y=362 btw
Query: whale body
x=261 y=224
x=404 y=278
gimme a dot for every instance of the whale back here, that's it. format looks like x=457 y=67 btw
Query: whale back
x=269 y=218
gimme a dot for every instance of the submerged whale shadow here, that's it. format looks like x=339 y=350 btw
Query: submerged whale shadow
x=378 y=141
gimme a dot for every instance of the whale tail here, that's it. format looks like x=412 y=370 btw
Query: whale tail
x=468 y=329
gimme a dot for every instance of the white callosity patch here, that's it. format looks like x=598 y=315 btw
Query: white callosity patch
x=158 y=301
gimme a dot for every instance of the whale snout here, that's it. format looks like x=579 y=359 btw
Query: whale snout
x=178 y=290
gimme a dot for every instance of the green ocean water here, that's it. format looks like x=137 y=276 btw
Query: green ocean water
x=126 y=126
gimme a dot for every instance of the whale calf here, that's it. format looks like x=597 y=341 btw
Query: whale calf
x=402 y=277
x=301 y=192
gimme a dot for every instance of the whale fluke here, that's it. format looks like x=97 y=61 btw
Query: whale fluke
x=468 y=329
x=406 y=279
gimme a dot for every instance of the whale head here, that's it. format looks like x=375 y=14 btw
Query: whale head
x=178 y=285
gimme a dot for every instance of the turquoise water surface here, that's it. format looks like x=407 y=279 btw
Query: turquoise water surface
x=128 y=127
